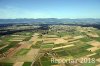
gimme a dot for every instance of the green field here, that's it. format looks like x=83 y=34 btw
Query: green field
x=6 y=64
x=47 y=46
x=22 y=52
x=46 y=61
x=11 y=45
x=89 y=64
x=27 y=63
x=37 y=45
x=86 y=39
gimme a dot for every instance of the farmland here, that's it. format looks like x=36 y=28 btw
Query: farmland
x=37 y=47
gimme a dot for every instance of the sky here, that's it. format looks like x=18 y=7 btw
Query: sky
x=49 y=9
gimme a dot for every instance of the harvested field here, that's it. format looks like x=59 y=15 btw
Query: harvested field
x=26 y=46
x=60 y=40
x=33 y=52
x=49 y=40
x=78 y=37
x=98 y=59
x=92 y=35
x=67 y=37
x=63 y=47
x=35 y=34
x=50 y=36
x=18 y=64
x=98 y=65
x=26 y=42
x=95 y=44
x=93 y=49
x=91 y=54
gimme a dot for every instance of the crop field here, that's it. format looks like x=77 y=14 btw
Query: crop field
x=6 y=64
x=22 y=52
x=47 y=46
x=27 y=64
x=45 y=61
x=38 y=47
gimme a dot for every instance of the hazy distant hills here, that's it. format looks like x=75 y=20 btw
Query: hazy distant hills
x=51 y=21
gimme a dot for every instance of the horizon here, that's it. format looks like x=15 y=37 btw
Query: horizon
x=35 y=9
x=49 y=18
